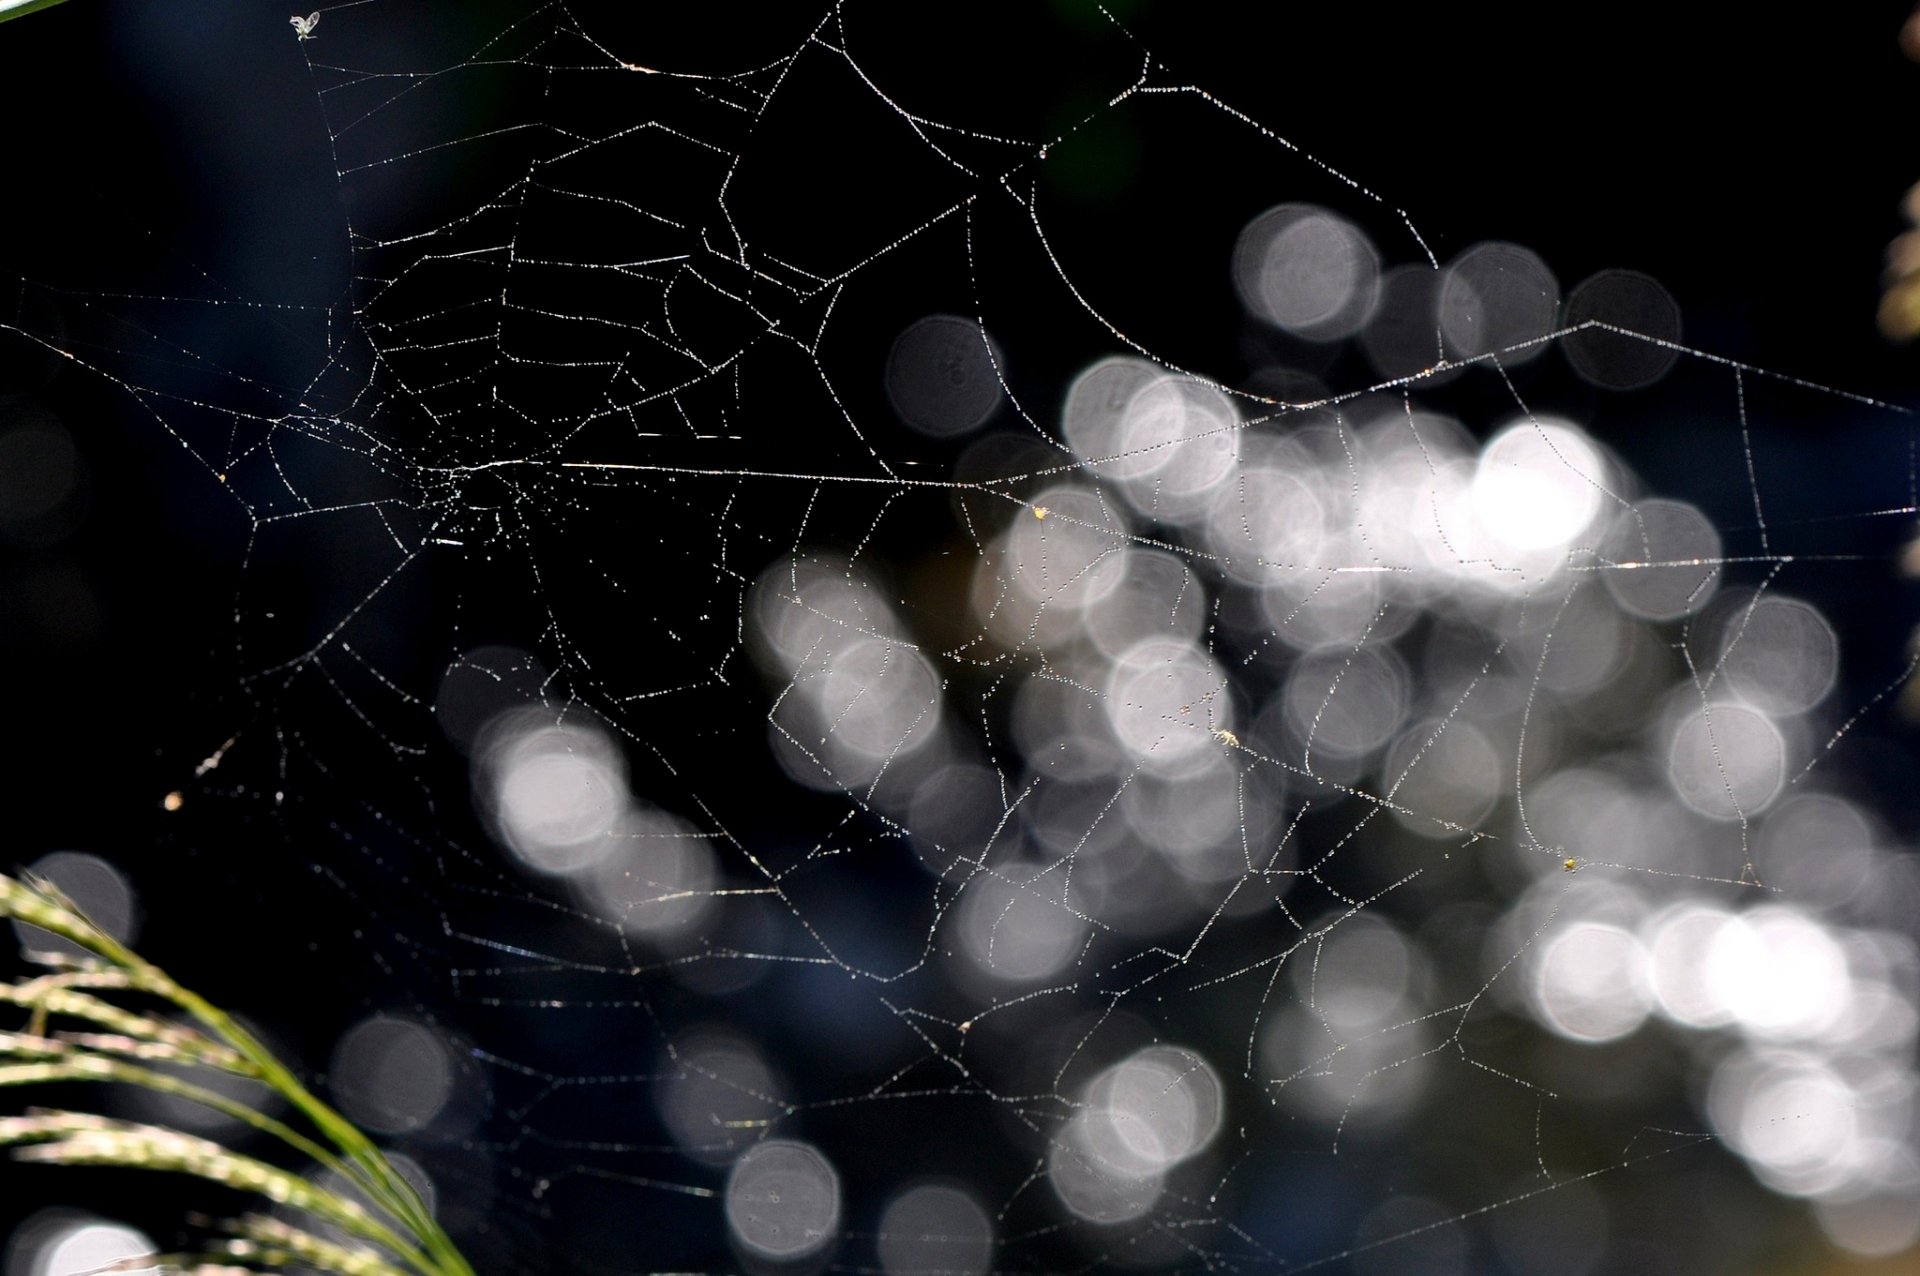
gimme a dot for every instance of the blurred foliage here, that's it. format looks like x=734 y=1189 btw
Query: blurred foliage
x=1900 y=306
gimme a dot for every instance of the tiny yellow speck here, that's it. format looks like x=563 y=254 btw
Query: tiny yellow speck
x=1041 y=511
x=966 y=1025
x=1227 y=738
x=221 y=477
x=173 y=801
x=1570 y=864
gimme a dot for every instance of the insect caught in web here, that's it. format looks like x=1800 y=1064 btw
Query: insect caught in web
x=303 y=27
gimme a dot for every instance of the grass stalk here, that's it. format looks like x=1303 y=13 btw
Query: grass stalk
x=410 y=1234
x=10 y=9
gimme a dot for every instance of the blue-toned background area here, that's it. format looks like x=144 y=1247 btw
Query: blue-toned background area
x=988 y=637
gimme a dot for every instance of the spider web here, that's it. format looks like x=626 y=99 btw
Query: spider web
x=928 y=646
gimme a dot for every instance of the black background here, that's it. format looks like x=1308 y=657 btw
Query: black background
x=1755 y=167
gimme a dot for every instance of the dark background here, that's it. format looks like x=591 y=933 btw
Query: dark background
x=1754 y=167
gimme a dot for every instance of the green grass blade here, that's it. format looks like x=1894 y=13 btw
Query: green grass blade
x=42 y=904
x=10 y=9
x=54 y=1061
x=78 y=1138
